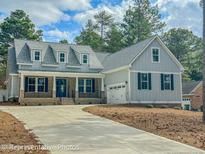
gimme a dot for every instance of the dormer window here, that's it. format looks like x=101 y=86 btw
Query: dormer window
x=62 y=57
x=85 y=59
x=155 y=55
x=37 y=55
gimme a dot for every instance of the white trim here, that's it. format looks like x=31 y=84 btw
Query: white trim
x=154 y=72
x=166 y=49
x=142 y=50
x=22 y=82
x=184 y=95
x=65 y=57
x=73 y=66
x=88 y=58
x=152 y=48
x=76 y=84
x=12 y=74
x=181 y=86
x=116 y=69
x=33 y=51
x=12 y=87
x=129 y=85
x=25 y=64
x=171 y=54
x=157 y=102
x=51 y=65
x=102 y=84
x=195 y=88
x=61 y=74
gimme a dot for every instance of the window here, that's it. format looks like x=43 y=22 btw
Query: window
x=144 y=81
x=88 y=86
x=41 y=85
x=167 y=82
x=85 y=85
x=35 y=84
x=155 y=55
x=31 y=84
x=85 y=58
x=81 y=86
x=61 y=57
x=37 y=55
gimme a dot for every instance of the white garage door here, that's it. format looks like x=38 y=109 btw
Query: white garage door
x=116 y=94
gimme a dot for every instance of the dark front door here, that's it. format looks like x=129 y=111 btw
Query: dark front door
x=60 y=87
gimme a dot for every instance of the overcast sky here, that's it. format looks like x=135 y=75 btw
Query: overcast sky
x=63 y=19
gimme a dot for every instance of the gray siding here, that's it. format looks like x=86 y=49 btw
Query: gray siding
x=144 y=61
x=156 y=94
x=16 y=86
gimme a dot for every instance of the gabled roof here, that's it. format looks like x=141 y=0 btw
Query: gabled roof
x=189 y=86
x=127 y=56
x=102 y=55
x=11 y=63
x=49 y=51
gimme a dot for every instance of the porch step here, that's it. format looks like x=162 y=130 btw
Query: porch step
x=67 y=101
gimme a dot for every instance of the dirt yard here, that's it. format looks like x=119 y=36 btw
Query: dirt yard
x=13 y=132
x=178 y=125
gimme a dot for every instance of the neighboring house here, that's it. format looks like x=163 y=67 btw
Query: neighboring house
x=192 y=95
x=42 y=73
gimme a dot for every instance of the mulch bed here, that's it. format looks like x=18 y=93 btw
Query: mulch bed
x=13 y=132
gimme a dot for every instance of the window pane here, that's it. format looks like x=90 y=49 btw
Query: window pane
x=62 y=57
x=88 y=82
x=81 y=89
x=167 y=86
x=31 y=88
x=155 y=55
x=81 y=82
x=167 y=77
x=88 y=89
x=144 y=77
x=31 y=81
x=85 y=59
x=144 y=85
x=37 y=55
x=41 y=84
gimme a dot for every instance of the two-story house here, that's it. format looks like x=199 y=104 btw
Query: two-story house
x=41 y=73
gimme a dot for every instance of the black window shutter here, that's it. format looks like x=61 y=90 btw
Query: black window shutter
x=150 y=81
x=93 y=85
x=139 y=81
x=26 y=84
x=162 y=81
x=172 y=82
x=46 y=84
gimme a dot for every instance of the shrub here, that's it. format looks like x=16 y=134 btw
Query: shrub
x=149 y=106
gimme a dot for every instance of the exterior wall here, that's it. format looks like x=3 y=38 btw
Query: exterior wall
x=48 y=94
x=156 y=95
x=16 y=86
x=115 y=78
x=144 y=61
x=3 y=95
x=197 y=100
x=166 y=65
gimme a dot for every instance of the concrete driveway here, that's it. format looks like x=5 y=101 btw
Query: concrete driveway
x=68 y=125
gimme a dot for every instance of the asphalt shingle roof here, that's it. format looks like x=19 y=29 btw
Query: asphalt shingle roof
x=188 y=86
x=125 y=56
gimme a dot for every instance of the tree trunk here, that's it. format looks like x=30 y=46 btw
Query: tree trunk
x=203 y=61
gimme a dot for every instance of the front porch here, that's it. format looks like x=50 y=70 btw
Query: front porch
x=47 y=89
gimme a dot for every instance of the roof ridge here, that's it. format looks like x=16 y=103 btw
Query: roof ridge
x=39 y=41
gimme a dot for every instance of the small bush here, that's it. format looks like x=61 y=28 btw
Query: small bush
x=39 y=104
x=164 y=106
x=149 y=106
x=177 y=108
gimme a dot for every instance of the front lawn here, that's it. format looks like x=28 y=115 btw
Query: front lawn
x=14 y=135
x=179 y=125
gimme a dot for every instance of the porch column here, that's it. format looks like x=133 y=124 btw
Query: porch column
x=54 y=87
x=102 y=88
x=21 y=95
x=76 y=88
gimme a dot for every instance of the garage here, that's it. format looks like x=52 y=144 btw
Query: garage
x=116 y=94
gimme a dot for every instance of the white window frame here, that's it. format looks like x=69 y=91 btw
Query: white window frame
x=31 y=84
x=34 y=55
x=82 y=55
x=147 y=81
x=44 y=86
x=85 y=85
x=65 y=57
x=169 y=82
x=152 y=58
